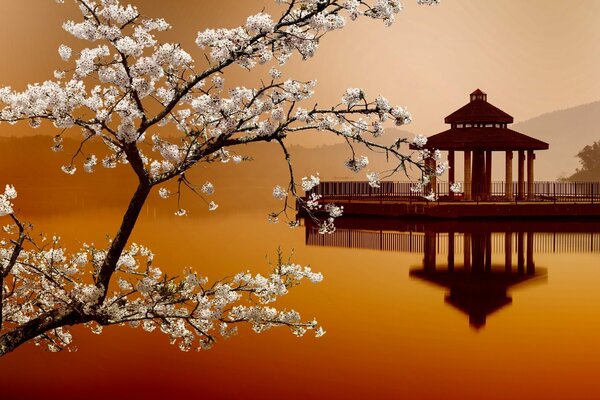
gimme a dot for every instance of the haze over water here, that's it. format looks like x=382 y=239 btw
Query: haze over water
x=390 y=333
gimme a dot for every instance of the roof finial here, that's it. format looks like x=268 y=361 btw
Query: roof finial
x=478 y=95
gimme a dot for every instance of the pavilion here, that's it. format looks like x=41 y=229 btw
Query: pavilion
x=478 y=129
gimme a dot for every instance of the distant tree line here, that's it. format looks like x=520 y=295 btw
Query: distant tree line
x=589 y=157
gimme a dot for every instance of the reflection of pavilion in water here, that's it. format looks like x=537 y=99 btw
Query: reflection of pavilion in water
x=477 y=286
x=476 y=261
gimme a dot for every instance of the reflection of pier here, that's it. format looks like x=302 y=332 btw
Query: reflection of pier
x=393 y=235
x=477 y=262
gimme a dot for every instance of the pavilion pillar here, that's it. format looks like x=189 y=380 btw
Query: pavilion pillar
x=488 y=173
x=468 y=185
x=488 y=252
x=478 y=174
x=451 y=176
x=529 y=263
x=450 y=251
x=520 y=252
x=467 y=251
x=521 y=175
x=508 y=252
x=429 y=260
x=478 y=241
x=530 y=178
x=508 y=187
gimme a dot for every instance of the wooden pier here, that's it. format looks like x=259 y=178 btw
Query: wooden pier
x=478 y=130
x=396 y=199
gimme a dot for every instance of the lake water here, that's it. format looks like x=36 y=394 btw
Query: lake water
x=403 y=319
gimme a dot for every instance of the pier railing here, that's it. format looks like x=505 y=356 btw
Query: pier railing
x=541 y=191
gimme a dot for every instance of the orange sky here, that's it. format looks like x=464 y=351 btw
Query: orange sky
x=531 y=57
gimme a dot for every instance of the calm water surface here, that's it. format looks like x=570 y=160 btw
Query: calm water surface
x=407 y=315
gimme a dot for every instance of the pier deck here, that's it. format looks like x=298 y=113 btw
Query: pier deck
x=395 y=199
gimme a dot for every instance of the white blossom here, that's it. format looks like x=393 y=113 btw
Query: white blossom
x=420 y=140
x=441 y=168
x=260 y=23
x=327 y=227
x=431 y=196
x=417 y=187
x=279 y=193
x=320 y=332
x=373 y=178
x=302 y=115
x=58 y=146
x=333 y=210
x=401 y=116
x=355 y=165
x=312 y=203
x=353 y=96
x=68 y=169
x=90 y=162
x=208 y=188
x=456 y=187
x=164 y=192
x=10 y=192
x=64 y=52
x=310 y=183
x=6 y=207
x=274 y=73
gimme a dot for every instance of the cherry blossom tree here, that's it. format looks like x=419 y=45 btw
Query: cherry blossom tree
x=126 y=88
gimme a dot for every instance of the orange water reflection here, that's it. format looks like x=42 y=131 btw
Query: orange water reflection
x=388 y=334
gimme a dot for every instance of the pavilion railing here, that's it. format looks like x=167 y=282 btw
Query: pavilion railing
x=541 y=191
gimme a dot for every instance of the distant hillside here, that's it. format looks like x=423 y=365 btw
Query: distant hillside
x=567 y=132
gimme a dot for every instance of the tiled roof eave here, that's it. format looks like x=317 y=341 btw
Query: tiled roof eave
x=494 y=139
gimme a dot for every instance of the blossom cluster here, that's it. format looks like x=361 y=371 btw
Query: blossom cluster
x=190 y=310
x=135 y=71
x=357 y=164
x=6 y=207
x=121 y=90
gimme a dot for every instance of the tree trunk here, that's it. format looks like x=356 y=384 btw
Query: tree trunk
x=57 y=318
x=119 y=242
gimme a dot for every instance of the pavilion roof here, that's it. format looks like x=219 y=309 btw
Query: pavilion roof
x=488 y=138
x=478 y=111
